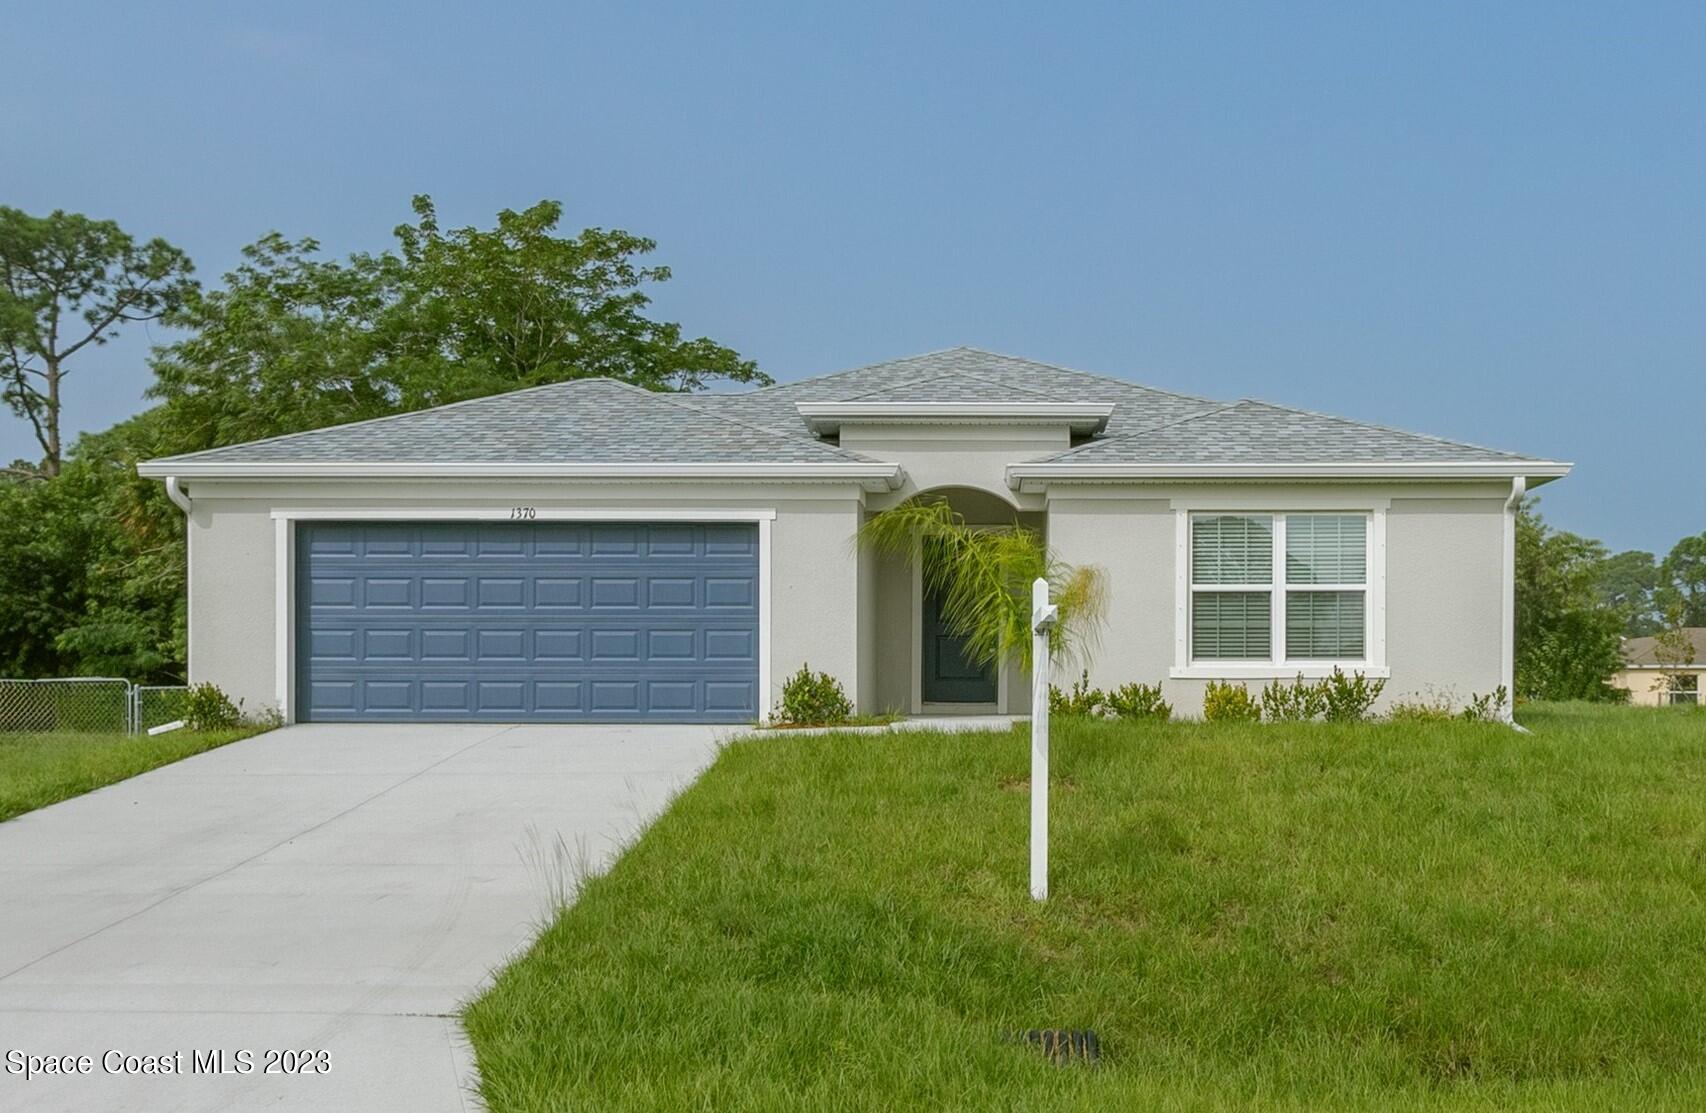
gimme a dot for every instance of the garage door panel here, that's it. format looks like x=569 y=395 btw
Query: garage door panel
x=536 y=621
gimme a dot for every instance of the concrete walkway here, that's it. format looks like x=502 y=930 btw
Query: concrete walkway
x=320 y=887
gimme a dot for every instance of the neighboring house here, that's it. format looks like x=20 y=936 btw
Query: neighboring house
x=1646 y=678
x=591 y=551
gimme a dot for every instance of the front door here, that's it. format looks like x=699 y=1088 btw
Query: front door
x=947 y=676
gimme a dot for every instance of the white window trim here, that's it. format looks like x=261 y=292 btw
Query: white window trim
x=1373 y=665
x=284 y=566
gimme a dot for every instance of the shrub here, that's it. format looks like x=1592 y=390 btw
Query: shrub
x=1138 y=701
x=1082 y=700
x=1350 y=697
x=1434 y=710
x=1296 y=702
x=208 y=708
x=1229 y=703
x=814 y=699
x=1489 y=708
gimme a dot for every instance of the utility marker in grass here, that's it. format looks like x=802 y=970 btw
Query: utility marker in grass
x=1044 y=616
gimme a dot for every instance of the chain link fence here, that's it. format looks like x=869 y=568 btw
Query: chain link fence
x=154 y=705
x=86 y=705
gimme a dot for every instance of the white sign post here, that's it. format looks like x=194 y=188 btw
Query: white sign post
x=1044 y=615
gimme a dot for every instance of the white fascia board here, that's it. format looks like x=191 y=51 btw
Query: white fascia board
x=874 y=476
x=1034 y=477
x=1083 y=417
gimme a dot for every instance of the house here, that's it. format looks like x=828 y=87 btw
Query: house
x=589 y=551
x=1645 y=676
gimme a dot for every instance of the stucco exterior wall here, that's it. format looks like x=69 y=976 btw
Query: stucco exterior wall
x=853 y=614
x=814 y=569
x=1445 y=585
x=1643 y=684
x=1444 y=581
x=974 y=456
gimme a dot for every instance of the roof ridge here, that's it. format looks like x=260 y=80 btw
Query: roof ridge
x=393 y=417
x=1386 y=428
x=675 y=398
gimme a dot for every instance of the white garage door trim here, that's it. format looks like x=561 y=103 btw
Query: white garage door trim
x=284 y=565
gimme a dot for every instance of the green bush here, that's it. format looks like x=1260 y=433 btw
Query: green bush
x=208 y=708
x=1349 y=698
x=1489 y=708
x=1296 y=702
x=1081 y=701
x=1138 y=701
x=813 y=699
x=1229 y=703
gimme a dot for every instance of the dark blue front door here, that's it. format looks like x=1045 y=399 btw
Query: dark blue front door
x=527 y=622
x=947 y=676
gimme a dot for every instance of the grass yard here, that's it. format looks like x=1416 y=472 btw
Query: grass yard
x=41 y=769
x=1381 y=916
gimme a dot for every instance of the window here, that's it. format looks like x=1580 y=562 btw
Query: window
x=1278 y=589
x=1684 y=688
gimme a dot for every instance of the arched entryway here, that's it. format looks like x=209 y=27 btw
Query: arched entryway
x=920 y=668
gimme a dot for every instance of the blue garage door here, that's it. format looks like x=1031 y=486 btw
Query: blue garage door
x=528 y=622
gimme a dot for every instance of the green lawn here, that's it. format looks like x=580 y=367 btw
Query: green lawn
x=41 y=769
x=1393 y=916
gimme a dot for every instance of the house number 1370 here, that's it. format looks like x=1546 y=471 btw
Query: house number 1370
x=527 y=512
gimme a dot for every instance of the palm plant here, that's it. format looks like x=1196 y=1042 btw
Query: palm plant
x=982 y=580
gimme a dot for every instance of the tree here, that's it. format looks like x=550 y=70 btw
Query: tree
x=68 y=282
x=1627 y=582
x=519 y=306
x=1672 y=650
x=983 y=578
x=1682 y=580
x=92 y=565
x=297 y=342
x=1567 y=645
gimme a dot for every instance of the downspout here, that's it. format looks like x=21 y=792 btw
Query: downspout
x=1507 y=663
x=176 y=494
x=182 y=501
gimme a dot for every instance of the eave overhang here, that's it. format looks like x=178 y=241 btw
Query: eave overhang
x=1035 y=477
x=1083 y=418
x=873 y=476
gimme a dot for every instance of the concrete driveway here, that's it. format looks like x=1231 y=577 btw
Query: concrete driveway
x=321 y=887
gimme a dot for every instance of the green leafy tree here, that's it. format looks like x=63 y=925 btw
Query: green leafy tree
x=1673 y=649
x=1627 y=583
x=1682 y=580
x=66 y=283
x=92 y=566
x=1567 y=644
x=294 y=341
x=983 y=578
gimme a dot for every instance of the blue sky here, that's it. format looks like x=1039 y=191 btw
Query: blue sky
x=1482 y=224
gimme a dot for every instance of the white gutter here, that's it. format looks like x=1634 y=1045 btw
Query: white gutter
x=1507 y=600
x=175 y=493
x=1033 y=477
x=1083 y=417
x=874 y=476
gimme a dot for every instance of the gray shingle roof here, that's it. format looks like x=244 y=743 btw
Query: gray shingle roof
x=601 y=421
x=1644 y=651
x=952 y=387
x=582 y=421
x=989 y=376
x=1261 y=432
